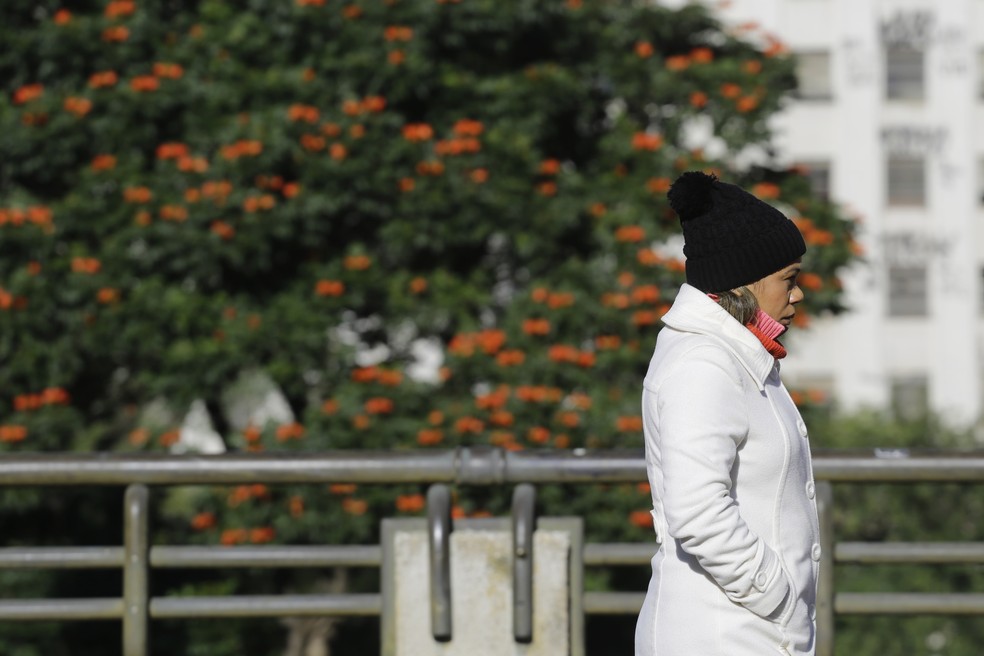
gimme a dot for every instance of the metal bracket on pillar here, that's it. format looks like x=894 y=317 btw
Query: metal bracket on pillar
x=439 y=540
x=523 y=525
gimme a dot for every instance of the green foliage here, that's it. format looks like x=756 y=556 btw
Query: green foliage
x=194 y=190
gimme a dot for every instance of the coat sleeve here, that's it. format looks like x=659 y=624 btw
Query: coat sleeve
x=702 y=421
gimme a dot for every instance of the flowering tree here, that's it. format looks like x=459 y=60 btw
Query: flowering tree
x=317 y=191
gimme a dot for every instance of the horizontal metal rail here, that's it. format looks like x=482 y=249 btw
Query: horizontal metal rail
x=465 y=465
x=266 y=606
x=908 y=603
x=909 y=552
x=61 y=609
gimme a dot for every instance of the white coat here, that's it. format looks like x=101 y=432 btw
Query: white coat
x=728 y=461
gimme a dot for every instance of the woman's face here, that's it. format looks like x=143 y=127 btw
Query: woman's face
x=777 y=294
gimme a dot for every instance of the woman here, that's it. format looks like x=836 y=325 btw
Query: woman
x=726 y=450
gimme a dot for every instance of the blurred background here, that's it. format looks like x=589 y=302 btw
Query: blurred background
x=307 y=225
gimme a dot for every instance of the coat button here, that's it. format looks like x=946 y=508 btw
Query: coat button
x=760 y=580
x=815 y=553
x=811 y=489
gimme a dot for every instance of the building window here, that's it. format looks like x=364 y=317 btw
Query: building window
x=906 y=180
x=818 y=174
x=813 y=76
x=907 y=293
x=910 y=397
x=904 y=73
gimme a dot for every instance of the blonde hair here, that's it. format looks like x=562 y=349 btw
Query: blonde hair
x=739 y=303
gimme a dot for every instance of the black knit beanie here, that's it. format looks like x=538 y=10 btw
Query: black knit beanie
x=731 y=238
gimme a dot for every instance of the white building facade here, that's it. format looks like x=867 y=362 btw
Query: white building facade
x=885 y=120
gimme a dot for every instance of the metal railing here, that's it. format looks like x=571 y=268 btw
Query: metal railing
x=464 y=466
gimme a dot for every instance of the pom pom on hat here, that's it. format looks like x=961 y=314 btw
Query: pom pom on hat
x=731 y=238
x=690 y=195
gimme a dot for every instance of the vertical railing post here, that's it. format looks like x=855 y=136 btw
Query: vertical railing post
x=523 y=526
x=825 y=585
x=135 y=574
x=439 y=529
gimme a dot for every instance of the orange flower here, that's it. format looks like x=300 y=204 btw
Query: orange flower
x=658 y=185
x=357 y=262
x=702 y=55
x=11 y=433
x=223 y=230
x=296 y=506
x=118 y=8
x=203 y=521
x=379 y=405
x=418 y=285
x=390 y=378
x=819 y=238
x=746 y=104
x=645 y=318
x=549 y=167
x=396 y=57
x=586 y=359
x=374 y=104
x=646 y=141
x=342 y=488
x=641 y=518
x=107 y=295
x=355 y=506
x=630 y=234
x=810 y=281
x=644 y=49
x=417 y=132
x=607 y=342
x=547 y=188
x=569 y=419
x=360 y=422
x=232 y=536
x=292 y=431
x=103 y=163
x=560 y=300
x=538 y=434
x=262 y=535
x=172 y=150
x=646 y=294
x=310 y=3
x=698 y=99
x=34 y=267
x=145 y=83
x=615 y=300
x=103 y=79
x=766 y=190
x=365 y=374
x=331 y=288
x=677 y=63
x=170 y=438
x=88 y=265
x=730 y=90
x=169 y=71
x=629 y=424
x=510 y=358
x=312 y=142
x=357 y=131
x=410 y=502
x=306 y=113
x=536 y=326
x=479 y=176
x=429 y=436
x=469 y=425
x=351 y=11
x=115 y=34
x=62 y=17
x=398 y=33
x=501 y=418
x=468 y=128
x=27 y=93
x=78 y=106
x=407 y=185
x=752 y=66
x=138 y=436
x=430 y=168
x=242 y=148
x=337 y=151
x=177 y=213
x=598 y=210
